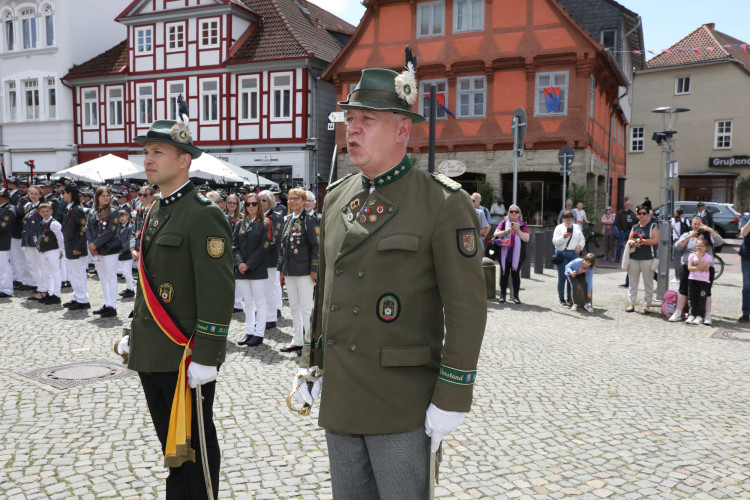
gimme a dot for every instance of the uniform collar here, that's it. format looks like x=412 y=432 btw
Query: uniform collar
x=389 y=176
x=177 y=195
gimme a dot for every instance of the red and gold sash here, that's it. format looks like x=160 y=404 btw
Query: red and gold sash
x=178 y=449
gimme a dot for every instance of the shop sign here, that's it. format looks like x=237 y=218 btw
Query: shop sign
x=731 y=161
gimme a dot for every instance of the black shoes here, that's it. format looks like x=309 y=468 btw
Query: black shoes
x=109 y=312
x=75 y=306
x=100 y=310
x=127 y=294
x=254 y=340
x=502 y=299
x=50 y=300
x=278 y=313
x=245 y=340
x=291 y=348
x=65 y=284
x=270 y=324
x=4 y=295
x=237 y=310
x=563 y=303
x=744 y=319
x=24 y=288
x=516 y=299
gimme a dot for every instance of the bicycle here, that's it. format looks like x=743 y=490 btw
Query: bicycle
x=593 y=240
x=718 y=266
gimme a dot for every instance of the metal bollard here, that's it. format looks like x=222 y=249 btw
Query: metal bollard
x=539 y=252
x=490 y=277
x=549 y=248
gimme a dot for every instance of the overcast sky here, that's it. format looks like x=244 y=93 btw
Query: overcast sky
x=665 y=22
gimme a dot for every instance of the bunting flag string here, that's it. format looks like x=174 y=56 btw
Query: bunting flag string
x=697 y=50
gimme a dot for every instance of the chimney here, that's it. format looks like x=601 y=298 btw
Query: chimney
x=710 y=25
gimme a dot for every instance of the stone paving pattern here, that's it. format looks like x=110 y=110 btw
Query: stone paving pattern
x=567 y=405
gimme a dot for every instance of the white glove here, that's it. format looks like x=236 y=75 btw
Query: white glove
x=438 y=423
x=199 y=374
x=305 y=395
x=124 y=346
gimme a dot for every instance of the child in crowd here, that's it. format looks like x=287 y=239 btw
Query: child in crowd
x=50 y=246
x=699 y=283
x=125 y=233
x=580 y=273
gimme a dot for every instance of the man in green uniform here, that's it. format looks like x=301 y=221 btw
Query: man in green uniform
x=400 y=303
x=186 y=291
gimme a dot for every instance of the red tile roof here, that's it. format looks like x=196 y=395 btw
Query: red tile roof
x=290 y=30
x=113 y=61
x=694 y=48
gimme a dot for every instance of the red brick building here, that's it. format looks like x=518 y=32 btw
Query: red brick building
x=487 y=58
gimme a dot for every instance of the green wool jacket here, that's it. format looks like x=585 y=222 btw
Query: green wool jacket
x=187 y=252
x=400 y=304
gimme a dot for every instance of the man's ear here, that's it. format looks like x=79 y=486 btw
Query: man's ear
x=403 y=130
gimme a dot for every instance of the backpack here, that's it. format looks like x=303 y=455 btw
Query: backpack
x=669 y=303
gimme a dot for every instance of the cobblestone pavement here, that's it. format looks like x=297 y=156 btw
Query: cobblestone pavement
x=567 y=405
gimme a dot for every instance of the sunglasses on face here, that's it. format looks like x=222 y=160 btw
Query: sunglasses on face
x=143 y=195
x=251 y=204
x=514 y=212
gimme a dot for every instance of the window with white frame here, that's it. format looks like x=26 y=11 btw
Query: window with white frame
x=608 y=39
x=175 y=36
x=592 y=95
x=210 y=101
x=51 y=98
x=249 y=95
x=90 y=104
x=145 y=103
x=637 y=139
x=682 y=85
x=471 y=96
x=49 y=26
x=468 y=15
x=144 y=40
x=209 y=33
x=10 y=31
x=551 y=94
x=281 y=96
x=430 y=19
x=174 y=89
x=723 y=134
x=114 y=106
x=12 y=101
x=441 y=94
x=28 y=25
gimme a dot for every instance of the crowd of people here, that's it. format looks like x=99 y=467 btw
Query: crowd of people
x=55 y=234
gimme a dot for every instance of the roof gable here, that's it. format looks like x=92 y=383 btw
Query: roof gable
x=705 y=44
x=112 y=62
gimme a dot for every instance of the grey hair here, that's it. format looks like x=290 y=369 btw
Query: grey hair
x=268 y=195
x=516 y=207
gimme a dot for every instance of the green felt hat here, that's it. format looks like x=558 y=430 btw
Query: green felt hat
x=377 y=90
x=171 y=132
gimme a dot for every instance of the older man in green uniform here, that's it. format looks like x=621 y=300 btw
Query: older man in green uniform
x=400 y=303
x=183 y=306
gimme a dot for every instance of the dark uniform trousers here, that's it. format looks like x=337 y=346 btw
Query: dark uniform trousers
x=186 y=481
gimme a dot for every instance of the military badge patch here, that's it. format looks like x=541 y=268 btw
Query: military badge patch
x=215 y=246
x=467 y=241
x=388 y=308
x=166 y=292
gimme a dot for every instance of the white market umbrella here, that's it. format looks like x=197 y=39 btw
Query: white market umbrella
x=100 y=169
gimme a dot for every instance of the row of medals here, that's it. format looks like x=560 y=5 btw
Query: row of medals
x=366 y=212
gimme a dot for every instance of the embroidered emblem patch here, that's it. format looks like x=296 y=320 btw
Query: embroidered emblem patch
x=467 y=241
x=373 y=218
x=380 y=209
x=454 y=376
x=388 y=308
x=215 y=247
x=166 y=292
x=354 y=204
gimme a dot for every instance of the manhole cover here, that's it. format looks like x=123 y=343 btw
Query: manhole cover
x=726 y=334
x=73 y=375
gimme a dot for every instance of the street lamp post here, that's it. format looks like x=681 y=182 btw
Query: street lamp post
x=665 y=139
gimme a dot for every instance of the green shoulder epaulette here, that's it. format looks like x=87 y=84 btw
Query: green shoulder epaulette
x=332 y=185
x=446 y=182
x=202 y=199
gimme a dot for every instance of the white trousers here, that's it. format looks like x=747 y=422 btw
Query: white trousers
x=78 y=279
x=6 y=273
x=31 y=266
x=237 y=297
x=299 y=289
x=49 y=277
x=272 y=287
x=277 y=285
x=253 y=293
x=17 y=262
x=126 y=269
x=106 y=268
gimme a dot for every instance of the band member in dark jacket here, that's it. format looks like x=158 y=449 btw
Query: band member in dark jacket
x=298 y=263
x=104 y=245
x=76 y=248
x=126 y=234
x=252 y=239
x=7 y=219
x=273 y=283
x=32 y=224
x=50 y=246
